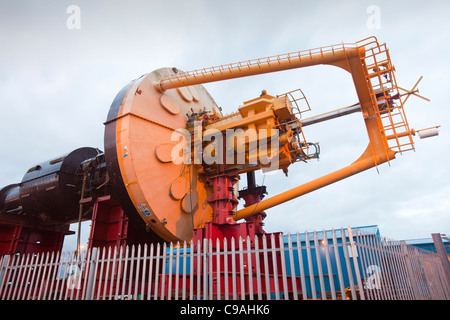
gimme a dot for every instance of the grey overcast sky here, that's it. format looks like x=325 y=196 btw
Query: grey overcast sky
x=57 y=84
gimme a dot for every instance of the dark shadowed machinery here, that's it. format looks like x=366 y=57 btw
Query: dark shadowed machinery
x=172 y=162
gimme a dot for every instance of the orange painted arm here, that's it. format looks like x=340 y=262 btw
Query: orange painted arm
x=333 y=55
x=366 y=161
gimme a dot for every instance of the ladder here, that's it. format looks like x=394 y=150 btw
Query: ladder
x=385 y=95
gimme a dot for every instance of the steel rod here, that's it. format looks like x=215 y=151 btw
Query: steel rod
x=331 y=115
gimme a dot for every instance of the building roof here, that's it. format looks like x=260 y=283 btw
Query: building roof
x=366 y=230
x=424 y=241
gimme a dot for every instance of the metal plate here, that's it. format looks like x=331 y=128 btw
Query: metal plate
x=138 y=130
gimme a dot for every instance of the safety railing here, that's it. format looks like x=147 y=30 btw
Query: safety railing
x=340 y=264
x=259 y=62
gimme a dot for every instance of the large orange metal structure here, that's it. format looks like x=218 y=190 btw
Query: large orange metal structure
x=172 y=199
x=173 y=161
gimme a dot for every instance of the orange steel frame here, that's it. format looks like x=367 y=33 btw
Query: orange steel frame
x=372 y=72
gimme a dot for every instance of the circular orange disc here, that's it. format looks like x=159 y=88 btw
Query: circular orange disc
x=163 y=152
x=169 y=104
x=179 y=188
x=138 y=141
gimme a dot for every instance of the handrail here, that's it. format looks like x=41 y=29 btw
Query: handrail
x=256 y=66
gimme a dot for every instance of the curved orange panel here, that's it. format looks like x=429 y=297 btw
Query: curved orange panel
x=141 y=130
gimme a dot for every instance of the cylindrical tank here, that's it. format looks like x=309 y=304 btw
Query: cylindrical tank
x=10 y=199
x=49 y=191
x=155 y=192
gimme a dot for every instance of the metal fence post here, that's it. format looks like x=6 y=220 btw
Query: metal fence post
x=409 y=270
x=442 y=254
x=92 y=271
x=356 y=264
x=3 y=266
